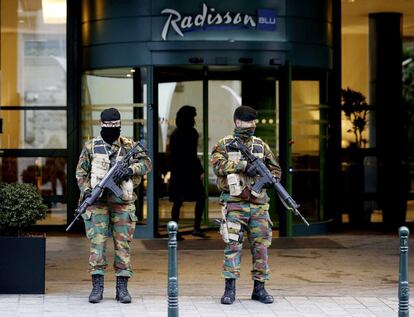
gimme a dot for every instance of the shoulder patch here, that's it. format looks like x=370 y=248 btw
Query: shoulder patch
x=126 y=141
x=89 y=144
x=257 y=139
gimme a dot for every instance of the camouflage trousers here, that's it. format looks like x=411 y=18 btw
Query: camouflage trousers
x=100 y=220
x=257 y=224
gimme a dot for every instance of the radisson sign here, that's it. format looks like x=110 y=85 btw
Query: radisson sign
x=210 y=19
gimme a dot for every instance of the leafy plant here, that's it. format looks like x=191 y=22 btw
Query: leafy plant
x=20 y=206
x=356 y=109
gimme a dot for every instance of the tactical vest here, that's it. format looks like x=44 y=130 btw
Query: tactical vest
x=257 y=149
x=102 y=161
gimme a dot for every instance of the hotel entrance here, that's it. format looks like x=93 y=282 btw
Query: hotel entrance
x=267 y=56
x=291 y=119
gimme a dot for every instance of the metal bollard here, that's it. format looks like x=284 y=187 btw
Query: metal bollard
x=172 y=228
x=403 y=288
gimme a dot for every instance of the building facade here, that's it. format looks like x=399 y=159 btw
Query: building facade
x=148 y=58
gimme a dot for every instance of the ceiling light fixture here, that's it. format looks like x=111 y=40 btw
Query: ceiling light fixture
x=54 y=11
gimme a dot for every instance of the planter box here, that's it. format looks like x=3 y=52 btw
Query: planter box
x=22 y=265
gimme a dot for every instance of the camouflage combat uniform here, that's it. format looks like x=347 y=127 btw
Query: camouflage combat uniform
x=250 y=211
x=110 y=213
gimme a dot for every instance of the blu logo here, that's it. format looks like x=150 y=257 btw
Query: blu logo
x=266 y=20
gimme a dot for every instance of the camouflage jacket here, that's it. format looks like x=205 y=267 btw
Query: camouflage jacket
x=141 y=165
x=223 y=166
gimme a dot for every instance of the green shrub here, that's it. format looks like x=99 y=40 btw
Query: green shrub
x=20 y=206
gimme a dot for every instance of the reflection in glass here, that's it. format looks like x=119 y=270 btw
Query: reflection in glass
x=33 y=54
x=305 y=149
x=33 y=129
x=171 y=97
x=47 y=174
x=33 y=74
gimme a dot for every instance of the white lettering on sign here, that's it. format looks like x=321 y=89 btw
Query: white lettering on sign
x=267 y=20
x=209 y=17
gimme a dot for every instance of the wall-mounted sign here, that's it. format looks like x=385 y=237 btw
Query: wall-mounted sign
x=211 y=19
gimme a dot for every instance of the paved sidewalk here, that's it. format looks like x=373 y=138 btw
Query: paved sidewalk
x=352 y=275
x=194 y=306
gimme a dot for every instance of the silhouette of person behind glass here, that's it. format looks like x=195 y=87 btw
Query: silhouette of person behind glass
x=186 y=169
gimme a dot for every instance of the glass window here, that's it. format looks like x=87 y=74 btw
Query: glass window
x=107 y=88
x=33 y=129
x=224 y=96
x=33 y=53
x=307 y=138
x=48 y=174
x=33 y=97
x=171 y=97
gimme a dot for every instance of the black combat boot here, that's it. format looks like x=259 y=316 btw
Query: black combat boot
x=97 y=288
x=122 y=294
x=260 y=293
x=229 y=292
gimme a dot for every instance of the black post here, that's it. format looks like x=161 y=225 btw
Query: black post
x=74 y=101
x=172 y=228
x=386 y=131
x=403 y=288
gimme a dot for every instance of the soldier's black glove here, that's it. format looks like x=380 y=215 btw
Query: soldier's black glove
x=268 y=185
x=122 y=174
x=87 y=193
x=250 y=170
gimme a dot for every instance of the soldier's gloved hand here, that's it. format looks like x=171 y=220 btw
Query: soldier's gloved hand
x=122 y=173
x=267 y=184
x=87 y=193
x=250 y=170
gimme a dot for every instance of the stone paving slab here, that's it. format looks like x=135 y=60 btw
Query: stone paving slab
x=194 y=306
x=359 y=279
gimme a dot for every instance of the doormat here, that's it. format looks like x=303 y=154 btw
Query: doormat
x=215 y=244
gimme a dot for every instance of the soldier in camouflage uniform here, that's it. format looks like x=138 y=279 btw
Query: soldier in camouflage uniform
x=110 y=213
x=241 y=209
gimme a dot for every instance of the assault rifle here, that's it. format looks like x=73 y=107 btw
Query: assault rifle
x=107 y=182
x=265 y=178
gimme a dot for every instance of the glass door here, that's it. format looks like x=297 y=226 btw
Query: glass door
x=253 y=89
x=224 y=96
x=172 y=97
x=121 y=88
x=215 y=92
x=308 y=143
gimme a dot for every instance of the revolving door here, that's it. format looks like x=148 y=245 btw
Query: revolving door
x=291 y=120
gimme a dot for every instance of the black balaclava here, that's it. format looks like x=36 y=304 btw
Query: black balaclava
x=244 y=113
x=110 y=125
x=185 y=117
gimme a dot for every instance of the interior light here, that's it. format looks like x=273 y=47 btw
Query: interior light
x=54 y=11
x=132 y=70
x=128 y=75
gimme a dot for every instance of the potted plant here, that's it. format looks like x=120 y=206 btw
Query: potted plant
x=22 y=264
x=356 y=109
